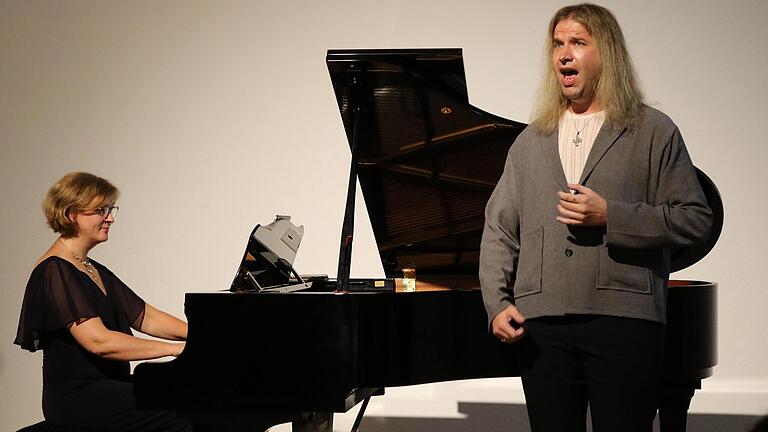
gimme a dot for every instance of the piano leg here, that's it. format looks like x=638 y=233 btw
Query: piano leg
x=313 y=422
x=674 y=401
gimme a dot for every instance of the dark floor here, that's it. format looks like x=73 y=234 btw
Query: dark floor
x=482 y=417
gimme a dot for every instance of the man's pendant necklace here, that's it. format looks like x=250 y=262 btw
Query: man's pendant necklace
x=577 y=140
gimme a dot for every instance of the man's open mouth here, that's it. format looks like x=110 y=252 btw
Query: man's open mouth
x=568 y=76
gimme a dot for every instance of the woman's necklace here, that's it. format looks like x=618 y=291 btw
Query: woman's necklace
x=84 y=261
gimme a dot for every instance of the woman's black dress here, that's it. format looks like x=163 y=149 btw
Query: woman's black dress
x=81 y=389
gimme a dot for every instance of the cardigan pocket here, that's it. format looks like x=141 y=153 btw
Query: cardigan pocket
x=626 y=269
x=530 y=262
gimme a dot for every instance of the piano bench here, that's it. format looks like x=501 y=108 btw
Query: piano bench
x=44 y=426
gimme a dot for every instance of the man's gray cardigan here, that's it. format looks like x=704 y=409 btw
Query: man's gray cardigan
x=546 y=268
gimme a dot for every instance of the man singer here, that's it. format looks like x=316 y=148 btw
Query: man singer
x=575 y=253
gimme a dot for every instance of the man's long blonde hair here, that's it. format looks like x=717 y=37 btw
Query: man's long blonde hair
x=617 y=89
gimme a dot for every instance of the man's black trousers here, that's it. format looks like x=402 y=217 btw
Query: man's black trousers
x=611 y=364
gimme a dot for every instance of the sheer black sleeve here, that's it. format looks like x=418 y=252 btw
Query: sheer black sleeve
x=55 y=297
x=132 y=304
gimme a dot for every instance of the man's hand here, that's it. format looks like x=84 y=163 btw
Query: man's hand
x=508 y=325
x=583 y=208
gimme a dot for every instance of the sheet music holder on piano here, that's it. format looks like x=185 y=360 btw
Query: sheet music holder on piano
x=267 y=263
x=427 y=160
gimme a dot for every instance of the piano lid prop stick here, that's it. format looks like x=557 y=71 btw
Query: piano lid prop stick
x=348 y=227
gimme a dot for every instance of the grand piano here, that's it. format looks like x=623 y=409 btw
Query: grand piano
x=427 y=161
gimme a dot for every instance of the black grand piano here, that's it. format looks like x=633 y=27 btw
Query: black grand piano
x=427 y=161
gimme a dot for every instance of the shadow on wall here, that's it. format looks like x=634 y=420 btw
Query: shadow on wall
x=513 y=418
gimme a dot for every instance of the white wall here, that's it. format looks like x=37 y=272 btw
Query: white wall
x=214 y=116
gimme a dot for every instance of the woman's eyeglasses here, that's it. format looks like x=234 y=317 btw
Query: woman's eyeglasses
x=105 y=211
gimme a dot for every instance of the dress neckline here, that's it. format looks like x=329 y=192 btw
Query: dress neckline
x=95 y=263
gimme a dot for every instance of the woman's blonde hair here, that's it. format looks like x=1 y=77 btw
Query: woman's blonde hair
x=76 y=191
x=617 y=89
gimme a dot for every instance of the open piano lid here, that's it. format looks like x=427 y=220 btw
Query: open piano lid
x=428 y=160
